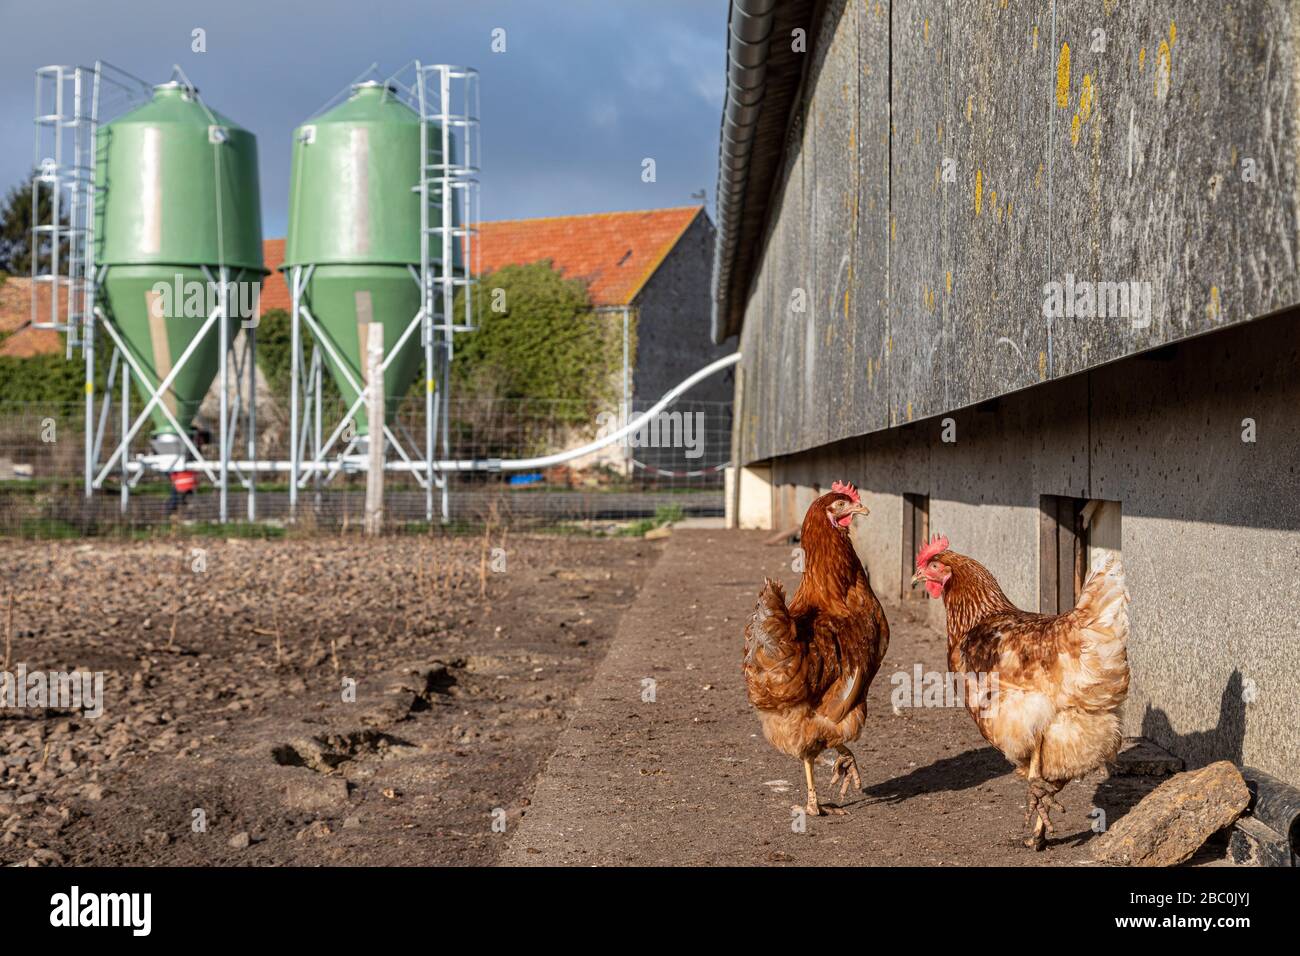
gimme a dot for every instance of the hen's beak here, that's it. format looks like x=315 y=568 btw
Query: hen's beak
x=917 y=578
x=860 y=509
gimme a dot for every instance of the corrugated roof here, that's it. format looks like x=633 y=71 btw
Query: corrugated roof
x=762 y=88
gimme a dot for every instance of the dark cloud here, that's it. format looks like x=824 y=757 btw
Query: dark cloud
x=585 y=91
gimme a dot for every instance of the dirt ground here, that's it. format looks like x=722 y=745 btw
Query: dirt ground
x=225 y=738
x=588 y=708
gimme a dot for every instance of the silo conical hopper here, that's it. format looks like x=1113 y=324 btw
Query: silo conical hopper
x=354 y=213
x=176 y=190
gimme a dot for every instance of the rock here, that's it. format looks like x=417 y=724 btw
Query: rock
x=351 y=822
x=314 y=831
x=1173 y=821
x=659 y=533
x=240 y=841
x=311 y=792
x=1139 y=757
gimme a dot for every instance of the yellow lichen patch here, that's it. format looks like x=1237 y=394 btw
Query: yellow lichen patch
x=868 y=372
x=940 y=132
x=925 y=31
x=853 y=137
x=1142 y=59
x=846 y=303
x=1035 y=37
x=909 y=411
x=916 y=136
x=1085 y=109
x=979 y=191
x=993 y=199
x=893 y=228
x=948 y=281
x=1038 y=177
x=970 y=107
x=1042 y=366
x=1173 y=32
x=1164 y=70
x=1063 y=77
x=1212 y=310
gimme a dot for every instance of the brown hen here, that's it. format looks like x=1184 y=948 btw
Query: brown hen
x=1043 y=689
x=808 y=664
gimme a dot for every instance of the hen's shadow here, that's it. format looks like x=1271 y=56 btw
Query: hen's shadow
x=960 y=772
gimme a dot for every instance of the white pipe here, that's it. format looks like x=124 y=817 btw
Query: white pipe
x=513 y=464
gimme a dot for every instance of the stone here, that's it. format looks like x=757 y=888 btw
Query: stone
x=1173 y=821
x=240 y=841
x=312 y=792
x=1139 y=757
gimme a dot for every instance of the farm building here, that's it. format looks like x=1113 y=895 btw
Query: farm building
x=1027 y=274
x=651 y=265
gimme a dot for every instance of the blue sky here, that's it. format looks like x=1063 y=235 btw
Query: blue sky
x=584 y=91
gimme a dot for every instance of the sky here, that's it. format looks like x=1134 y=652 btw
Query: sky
x=584 y=91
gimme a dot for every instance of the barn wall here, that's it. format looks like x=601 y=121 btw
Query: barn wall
x=1209 y=521
x=1162 y=150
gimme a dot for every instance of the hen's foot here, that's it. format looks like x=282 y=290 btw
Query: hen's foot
x=1040 y=799
x=846 y=769
x=821 y=809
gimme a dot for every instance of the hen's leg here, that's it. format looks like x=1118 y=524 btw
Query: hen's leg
x=1039 y=799
x=815 y=809
x=846 y=768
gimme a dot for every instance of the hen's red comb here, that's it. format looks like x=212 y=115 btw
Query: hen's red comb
x=938 y=545
x=846 y=488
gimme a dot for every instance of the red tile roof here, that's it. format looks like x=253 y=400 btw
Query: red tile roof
x=275 y=291
x=22 y=341
x=614 y=252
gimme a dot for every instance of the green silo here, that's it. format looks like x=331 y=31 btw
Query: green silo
x=176 y=190
x=354 y=214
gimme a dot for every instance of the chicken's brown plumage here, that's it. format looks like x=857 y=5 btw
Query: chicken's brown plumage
x=808 y=664
x=1060 y=679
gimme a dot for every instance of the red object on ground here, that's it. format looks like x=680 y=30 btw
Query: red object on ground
x=184 y=481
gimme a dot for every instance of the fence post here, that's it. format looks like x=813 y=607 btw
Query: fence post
x=375 y=414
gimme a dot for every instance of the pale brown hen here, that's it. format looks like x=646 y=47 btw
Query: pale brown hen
x=808 y=665
x=1052 y=684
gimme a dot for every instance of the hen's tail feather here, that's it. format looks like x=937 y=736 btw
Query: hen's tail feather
x=1101 y=615
x=770 y=628
x=1103 y=602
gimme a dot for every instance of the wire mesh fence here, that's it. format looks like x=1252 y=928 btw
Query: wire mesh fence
x=669 y=469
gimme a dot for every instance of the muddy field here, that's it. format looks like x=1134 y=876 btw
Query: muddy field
x=226 y=737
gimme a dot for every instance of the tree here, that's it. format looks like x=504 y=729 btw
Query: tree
x=15 y=230
x=538 y=338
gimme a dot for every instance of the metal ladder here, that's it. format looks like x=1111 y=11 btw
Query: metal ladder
x=63 y=239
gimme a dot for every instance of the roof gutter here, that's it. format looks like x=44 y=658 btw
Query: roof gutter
x=750 y=33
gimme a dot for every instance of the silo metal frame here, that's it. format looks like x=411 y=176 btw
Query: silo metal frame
x=446 y=99
x=83 y=113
